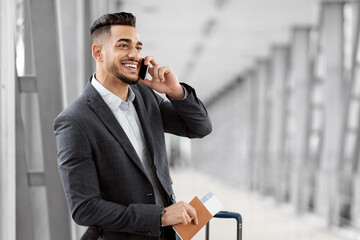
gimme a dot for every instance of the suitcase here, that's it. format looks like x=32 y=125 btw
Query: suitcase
x=225 y=214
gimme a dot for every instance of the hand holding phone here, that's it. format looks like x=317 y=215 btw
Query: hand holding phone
x=163 y=79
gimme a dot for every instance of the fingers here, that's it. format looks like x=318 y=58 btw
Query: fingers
x=163 y=79
x=154 y=72
x=186 y=219
x=161 y=73
x=191 y=213
x=150 y=59
x=158 y=71
x=184 y=216
x=180 y=213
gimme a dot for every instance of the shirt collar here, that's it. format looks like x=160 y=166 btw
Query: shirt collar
x=111 y=99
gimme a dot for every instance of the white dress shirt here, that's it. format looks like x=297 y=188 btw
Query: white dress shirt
x=126 y=115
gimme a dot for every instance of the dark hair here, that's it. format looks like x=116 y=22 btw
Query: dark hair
x=102 y=24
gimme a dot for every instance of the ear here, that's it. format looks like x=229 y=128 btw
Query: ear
x=97 y=52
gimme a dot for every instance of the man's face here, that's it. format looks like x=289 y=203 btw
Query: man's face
x=122 y=53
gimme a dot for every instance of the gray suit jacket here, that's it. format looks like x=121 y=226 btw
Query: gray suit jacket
x=104 y=180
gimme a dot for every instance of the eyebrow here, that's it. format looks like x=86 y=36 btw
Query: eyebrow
x=128 y=41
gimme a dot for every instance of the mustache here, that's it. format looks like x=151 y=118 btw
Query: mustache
x=130 y=60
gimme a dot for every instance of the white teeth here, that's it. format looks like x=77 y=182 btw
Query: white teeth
x=130 y=65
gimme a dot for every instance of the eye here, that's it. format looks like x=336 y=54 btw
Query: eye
x=123 y=45
x=139 y=48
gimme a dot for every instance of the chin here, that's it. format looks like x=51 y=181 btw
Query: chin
x=129 y=80
x=133 y=82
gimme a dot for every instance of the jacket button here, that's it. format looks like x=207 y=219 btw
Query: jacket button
x=173 y=196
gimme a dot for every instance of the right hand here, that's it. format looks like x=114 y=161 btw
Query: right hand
x=180 y=213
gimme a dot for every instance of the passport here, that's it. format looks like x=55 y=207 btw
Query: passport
x=205 y=210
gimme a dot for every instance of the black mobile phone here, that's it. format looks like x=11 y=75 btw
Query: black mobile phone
x=143 y=69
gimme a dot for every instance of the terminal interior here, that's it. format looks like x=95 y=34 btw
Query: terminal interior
x=280 y=80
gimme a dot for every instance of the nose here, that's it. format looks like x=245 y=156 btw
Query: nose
x=134 y=53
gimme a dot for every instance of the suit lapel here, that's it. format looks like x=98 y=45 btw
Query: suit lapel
x=144 y=120
x=97 y=104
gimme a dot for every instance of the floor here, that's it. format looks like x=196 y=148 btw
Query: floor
x=263 y=218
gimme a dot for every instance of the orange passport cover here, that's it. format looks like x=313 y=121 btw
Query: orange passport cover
x=186 y=232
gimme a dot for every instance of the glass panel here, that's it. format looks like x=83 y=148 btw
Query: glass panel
x=356 y=89
x=358 y=52
x=317 y=121
x=320 y=66
x=358 y=47
x=354 y=114
x=314 y=143
x=313 y=43
x=318 y=95
x=349 y=146
x=19 y=39
x=348 y=36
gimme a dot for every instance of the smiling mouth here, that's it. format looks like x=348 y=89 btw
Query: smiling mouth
x=133 y=67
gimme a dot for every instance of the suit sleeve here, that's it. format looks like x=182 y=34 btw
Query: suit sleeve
x=79 y=178
x=187 y=118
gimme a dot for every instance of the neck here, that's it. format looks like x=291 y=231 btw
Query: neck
x=113 y=84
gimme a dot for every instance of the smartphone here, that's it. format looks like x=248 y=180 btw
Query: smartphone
x=143 y=69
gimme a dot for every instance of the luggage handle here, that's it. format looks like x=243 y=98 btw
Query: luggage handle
x=226 y=214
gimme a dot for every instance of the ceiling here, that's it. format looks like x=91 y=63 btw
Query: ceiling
x=209 y=43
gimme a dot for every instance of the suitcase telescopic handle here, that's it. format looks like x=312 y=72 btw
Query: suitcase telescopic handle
x=226 y=214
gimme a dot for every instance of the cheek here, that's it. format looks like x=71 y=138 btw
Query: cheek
x=113 y=58
x=109 y=60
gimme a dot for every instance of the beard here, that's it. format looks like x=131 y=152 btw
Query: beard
x=115 y=71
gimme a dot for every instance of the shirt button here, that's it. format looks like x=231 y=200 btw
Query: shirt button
x=173 y=196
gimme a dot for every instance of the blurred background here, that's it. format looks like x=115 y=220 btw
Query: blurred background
x=280 y=80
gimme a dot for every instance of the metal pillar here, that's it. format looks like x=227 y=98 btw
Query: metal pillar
x=7 y=120
x=47 y=68
x=24 y=218
x=84 y=22
x=299 y=111
x=346 y=203
x=263 y=123
x=251 y=80
x=331 y=43
x=355 y=210
x=278 y=98
x=256 y=101
x=26 y=141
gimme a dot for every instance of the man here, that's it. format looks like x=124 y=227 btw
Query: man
x=111 y=148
